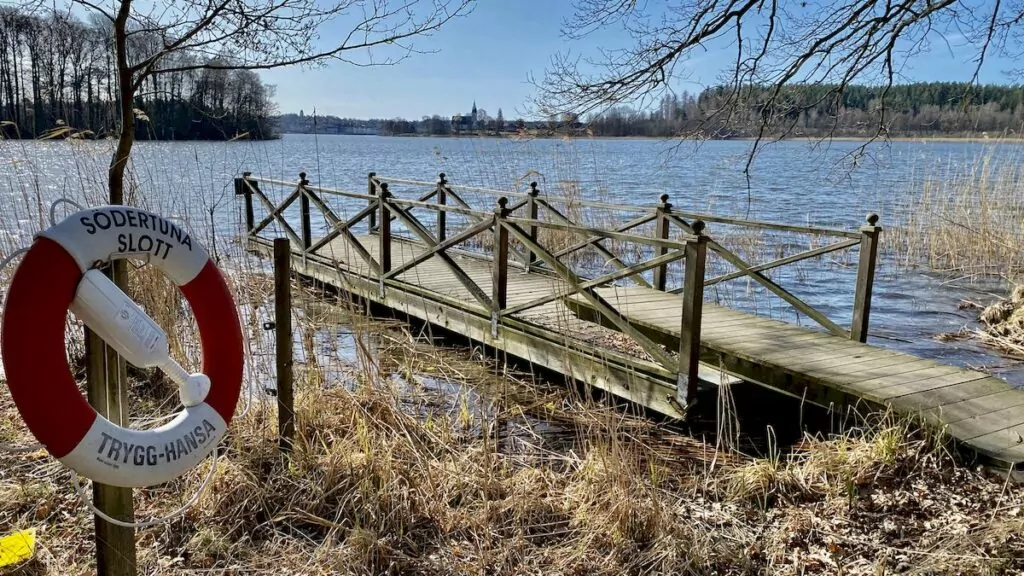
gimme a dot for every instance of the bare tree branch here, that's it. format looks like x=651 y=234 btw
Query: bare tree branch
x=774 y=44
x=157 y=41
x=96 y=8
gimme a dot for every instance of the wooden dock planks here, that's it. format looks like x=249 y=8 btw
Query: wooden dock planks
x=549 y=335
x=984 y=412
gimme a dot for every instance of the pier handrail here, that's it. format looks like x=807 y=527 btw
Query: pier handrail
x=866 y=239
x=307 y=186
x=519 y=238
x=745 y=222
x=667 y=217
x=507 y=230
x=514 y=194
x=438 y=207
x=443 y=198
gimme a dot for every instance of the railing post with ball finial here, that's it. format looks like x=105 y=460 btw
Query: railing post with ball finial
x=307 y=231
x=371 y=190
x=865 y=278
x=244 y=187
x=531 y=205
x=693 y=307
x=661 y=232
x=442 y=199
x=384 y=234
x=499 y=294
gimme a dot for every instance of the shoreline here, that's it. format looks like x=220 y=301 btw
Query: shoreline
x=976 y=139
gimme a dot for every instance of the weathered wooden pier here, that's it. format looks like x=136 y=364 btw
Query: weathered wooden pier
x=614 y=296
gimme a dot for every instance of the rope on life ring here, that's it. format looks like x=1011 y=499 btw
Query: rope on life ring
x=59 y=273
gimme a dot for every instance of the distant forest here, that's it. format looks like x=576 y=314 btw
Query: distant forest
x=915 y=110
x=922 y=109
x=58 y=78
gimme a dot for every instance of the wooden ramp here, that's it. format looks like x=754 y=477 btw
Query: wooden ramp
x=521 y=285
x=549 y=335
x=984 y=412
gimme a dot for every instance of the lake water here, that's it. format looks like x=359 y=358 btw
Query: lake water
x=790 y=182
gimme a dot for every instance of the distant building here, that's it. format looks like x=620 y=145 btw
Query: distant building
x=466 y=122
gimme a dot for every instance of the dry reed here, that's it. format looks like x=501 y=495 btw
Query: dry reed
x=969 y=222
x=416 y=459
x=381 y=485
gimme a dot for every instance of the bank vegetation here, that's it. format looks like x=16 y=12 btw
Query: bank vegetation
x=413 y=459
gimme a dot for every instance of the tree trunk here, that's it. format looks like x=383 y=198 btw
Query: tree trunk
x=126 y=94
x=115 y=545
x=118 y=163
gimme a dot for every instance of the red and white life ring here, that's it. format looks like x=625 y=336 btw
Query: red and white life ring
x=43 y=289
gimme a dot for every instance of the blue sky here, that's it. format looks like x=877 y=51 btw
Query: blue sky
x=489 y=55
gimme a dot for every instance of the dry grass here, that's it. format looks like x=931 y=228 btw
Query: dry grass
x=371 y=489
x=413 y=459
x=395 y=472
x=1002 y=324
x=969 y=222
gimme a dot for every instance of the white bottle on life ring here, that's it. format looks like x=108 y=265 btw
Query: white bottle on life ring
x=121 y=323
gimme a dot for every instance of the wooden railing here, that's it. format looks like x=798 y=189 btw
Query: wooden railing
x=537 y=234
x=866 y=238
x=668 y=219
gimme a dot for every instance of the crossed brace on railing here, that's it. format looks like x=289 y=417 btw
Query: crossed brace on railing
x=382 y=209
x=665 y=217
x=866 y=238
x=506 y=227
x=692 y=248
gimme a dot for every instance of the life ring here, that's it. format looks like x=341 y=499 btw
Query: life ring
x=52 y=278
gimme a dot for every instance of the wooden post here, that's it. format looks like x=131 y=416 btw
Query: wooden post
x=865 y=278
x=371 y=189
x=384 y=234
x=107 y=390
x=442 y=215
x=531 y=205
x=661 y=231
x=242 y=189
x=307 y=231
x=250 y=219
x=283 y=328
x=693 y=304
x=499 y=290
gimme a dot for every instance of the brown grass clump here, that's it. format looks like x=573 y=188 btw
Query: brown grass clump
x=1003 y=323
x=394 y=474
x=968 y=224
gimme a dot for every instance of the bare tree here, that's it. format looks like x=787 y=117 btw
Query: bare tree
x=150 y=37
x=773 y=43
